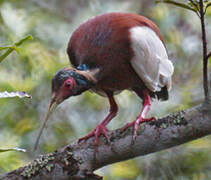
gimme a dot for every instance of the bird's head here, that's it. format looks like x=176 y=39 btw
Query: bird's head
x=67 y=82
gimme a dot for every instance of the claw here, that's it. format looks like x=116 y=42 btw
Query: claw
x=135 y=125
x=100 y=129
x=141 y=117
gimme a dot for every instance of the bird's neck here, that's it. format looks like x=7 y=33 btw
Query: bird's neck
x=90 y=74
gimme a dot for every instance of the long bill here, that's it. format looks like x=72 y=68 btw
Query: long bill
x=52 y=106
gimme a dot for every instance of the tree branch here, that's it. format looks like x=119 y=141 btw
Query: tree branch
x=78 y=161
x=204 y=44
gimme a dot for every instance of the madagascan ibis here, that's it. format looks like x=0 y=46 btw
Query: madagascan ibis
x=111 y=53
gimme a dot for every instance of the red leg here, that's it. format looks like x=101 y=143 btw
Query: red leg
x=142 y=116
x=101 y=128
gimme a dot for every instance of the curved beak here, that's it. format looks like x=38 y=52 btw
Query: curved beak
x=51 y=107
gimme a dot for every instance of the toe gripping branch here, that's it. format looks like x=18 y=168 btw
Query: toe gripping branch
x=101 y=128
x=141 y=118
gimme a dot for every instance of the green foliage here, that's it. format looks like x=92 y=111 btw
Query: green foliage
x=207 y=5
x=11 y=48
x=192 y=5
x=13 y=94
x=188 y=6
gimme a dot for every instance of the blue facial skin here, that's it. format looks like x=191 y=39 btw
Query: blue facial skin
x=81 y=81
x=62 y=75
x=79 y=78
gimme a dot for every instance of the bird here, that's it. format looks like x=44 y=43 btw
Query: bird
x=110 y=53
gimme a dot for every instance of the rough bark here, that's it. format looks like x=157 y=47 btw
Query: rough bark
x=78 y=161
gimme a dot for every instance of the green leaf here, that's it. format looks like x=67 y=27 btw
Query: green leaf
x=23 y=40
x=17 y=49
x=208 y=4
x=182 y=5
x=6 y=47
x=14 y=47
x=12 y=149
x=194 y=4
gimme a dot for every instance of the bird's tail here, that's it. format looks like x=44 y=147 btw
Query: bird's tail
x=161 y=95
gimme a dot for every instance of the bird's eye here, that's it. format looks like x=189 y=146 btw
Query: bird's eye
x=67 y=84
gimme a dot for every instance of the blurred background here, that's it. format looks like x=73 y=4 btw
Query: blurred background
x=51 y=22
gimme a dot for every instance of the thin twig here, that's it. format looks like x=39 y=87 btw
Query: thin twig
x=197 y=8
x=209 y=55
x=205 y=59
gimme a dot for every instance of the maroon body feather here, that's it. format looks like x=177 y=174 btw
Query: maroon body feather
x=104 y=42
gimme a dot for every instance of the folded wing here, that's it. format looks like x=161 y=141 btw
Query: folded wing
x=150 y=59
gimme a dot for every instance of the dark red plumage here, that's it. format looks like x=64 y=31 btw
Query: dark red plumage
x=103 y=42
x=110 y=53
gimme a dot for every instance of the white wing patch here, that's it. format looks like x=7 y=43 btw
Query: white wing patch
x=150 y=59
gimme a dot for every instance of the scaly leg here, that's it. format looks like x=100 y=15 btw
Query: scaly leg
x=142 y=116
x=101 y=128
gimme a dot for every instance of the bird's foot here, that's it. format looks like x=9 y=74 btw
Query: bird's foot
x=100 y=129
x=135 y=125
